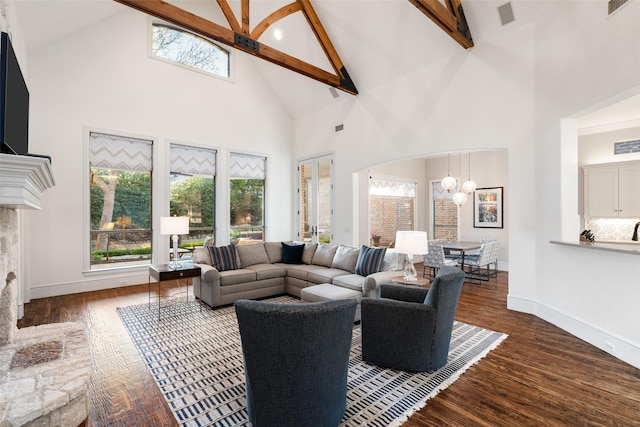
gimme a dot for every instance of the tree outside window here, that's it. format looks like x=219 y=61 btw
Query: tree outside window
x=120 y=201
x=246 y=198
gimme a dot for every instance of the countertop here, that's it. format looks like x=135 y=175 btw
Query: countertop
x=624 y=247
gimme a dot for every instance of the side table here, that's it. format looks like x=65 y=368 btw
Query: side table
x=420 y=281
x=162 y=272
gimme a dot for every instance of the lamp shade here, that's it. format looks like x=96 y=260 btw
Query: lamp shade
x=460 y=198
x=174 y=225
x=448 y=183
x=412 y=242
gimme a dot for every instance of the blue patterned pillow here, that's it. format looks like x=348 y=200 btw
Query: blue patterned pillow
x=223 y=258
x=369 y=260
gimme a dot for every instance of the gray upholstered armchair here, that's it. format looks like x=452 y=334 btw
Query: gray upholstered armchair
x=296 y=360
x=409 y=328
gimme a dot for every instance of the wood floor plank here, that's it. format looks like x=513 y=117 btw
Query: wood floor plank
x=539 y=376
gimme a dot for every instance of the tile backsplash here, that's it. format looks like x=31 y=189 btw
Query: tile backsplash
x=611 y=229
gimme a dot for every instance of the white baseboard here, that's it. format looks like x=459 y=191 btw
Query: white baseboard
x=619 y=347
x=88 y=284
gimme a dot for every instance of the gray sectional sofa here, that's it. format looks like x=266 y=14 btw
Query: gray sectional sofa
x=259 y=271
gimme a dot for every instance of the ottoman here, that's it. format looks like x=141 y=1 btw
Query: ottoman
x=327 y=291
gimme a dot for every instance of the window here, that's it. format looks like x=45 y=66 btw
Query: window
x=247 y=183
x=120 y=200
x=391 y=208
x=445 y=213
x=192 y=192
x=187 y=49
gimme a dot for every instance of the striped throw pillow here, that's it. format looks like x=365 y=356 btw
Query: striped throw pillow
x=223 y=258
x=369 y=260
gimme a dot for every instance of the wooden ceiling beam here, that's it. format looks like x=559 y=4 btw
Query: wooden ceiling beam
x=450 y=18
x=240 y=37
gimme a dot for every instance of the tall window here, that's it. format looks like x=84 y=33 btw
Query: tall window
x=120 y=200
x=391 y=208
x=187 y=49
x=192 y=192
x=247 y=183
x=445 y=213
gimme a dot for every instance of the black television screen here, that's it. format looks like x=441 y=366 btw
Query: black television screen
x=14 y=102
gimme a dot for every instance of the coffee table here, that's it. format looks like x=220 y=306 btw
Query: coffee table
x=420 y=281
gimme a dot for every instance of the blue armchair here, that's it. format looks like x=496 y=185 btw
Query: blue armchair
x=296 y=360
x=409 y=328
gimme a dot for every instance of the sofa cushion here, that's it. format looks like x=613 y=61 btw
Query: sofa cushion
x=292 y=254
x=223 y=258
x=345 y=258
x=369 y=260
x=325 y=275
x=274 y=251
x=201 y=256
x=252 y=254
x=350 y=281
x=233 y=277
x=309 y=250
x=324 y=254
x=300 y=271
x=268 y=271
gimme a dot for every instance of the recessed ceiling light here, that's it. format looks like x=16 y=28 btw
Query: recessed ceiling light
x=277 y=34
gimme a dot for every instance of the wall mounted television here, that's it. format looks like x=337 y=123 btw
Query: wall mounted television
x=14 y=102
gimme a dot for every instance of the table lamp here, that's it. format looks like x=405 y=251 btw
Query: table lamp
x=411 y=243
x=174 y=225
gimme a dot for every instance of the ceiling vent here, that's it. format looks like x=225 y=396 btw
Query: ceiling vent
x=614 y=5
x=506 y=13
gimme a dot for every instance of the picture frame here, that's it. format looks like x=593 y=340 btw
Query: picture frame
x=488 y=208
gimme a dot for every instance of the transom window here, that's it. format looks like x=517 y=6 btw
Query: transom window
x=187 y=49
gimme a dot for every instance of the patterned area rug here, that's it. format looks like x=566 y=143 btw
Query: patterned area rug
x=195 y=357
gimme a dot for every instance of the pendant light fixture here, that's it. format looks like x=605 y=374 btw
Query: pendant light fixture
x=459 y=198
x=469 y=186
x=449 y=182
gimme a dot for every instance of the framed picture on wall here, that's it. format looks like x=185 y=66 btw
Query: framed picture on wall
x=487 y=207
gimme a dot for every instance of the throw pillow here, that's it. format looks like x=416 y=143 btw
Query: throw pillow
x=324 y=254
x=224 y=258
x=252 y=254
x=346 y=258
x=369 y=260
x=292 y=254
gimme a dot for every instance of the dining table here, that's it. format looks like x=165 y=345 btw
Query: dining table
x=461 y=246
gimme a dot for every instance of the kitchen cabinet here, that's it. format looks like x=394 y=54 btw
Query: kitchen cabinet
x=612 y=190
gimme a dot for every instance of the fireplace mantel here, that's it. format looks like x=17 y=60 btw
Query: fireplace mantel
x=23 y=179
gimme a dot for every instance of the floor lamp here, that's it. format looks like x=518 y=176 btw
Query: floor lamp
x=174 y=225
x=411 y=243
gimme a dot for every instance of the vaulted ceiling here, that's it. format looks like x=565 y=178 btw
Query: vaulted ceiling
x=375 y=41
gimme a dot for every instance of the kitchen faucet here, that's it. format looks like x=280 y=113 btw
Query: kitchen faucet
x=635 y=232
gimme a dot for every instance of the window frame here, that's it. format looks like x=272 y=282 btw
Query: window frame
x=231 y=56
x=170 y=172
x=87 y=266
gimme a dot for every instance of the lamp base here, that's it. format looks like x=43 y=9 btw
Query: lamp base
x=410 y=273
x=174 y=264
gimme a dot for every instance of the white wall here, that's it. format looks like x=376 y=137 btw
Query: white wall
x=103 y=79
x=598 y=147
x=511 y=91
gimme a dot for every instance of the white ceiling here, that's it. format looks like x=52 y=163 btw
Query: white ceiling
x=377 y=40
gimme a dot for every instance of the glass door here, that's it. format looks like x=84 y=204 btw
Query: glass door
x=315 y=200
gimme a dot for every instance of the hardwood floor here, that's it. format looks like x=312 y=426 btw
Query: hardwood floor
x=539 y=376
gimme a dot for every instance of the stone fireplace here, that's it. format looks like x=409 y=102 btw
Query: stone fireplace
x=44 y=370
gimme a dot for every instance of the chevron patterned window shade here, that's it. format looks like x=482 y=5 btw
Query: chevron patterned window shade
x=120 y=153
x=246 y=166
x=192 y=161
x=391 y=187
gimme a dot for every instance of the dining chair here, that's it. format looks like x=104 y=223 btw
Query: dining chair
x=478 y=266
x=435 y=259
